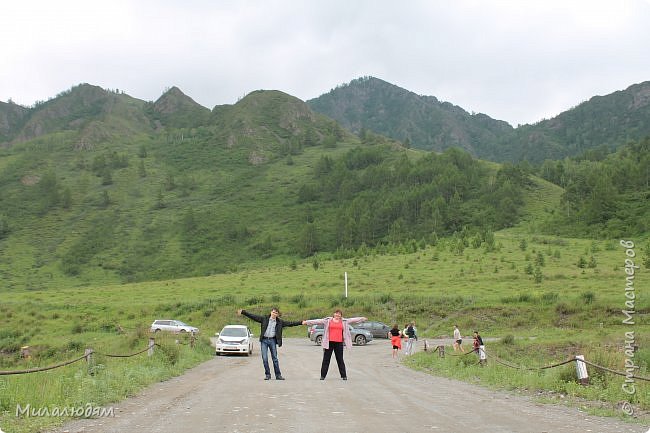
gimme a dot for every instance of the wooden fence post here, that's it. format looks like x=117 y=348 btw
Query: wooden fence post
x=25 y=353
x=152 y=342
x=581 y=369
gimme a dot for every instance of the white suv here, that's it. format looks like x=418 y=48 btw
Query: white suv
x=175 y=326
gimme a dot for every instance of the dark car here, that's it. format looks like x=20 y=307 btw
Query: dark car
x=377 y=329
x=359 y=336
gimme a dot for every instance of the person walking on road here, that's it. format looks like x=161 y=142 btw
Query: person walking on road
x=336 y=336
x=412 y=339
x=270 y=338
x=395 y=336
x=458 y=340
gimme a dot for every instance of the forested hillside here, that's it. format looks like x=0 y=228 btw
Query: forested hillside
x=426 y=123
x=11 y=116
x=264 y=179
x=421 y=122
x=606 y=195
x=99 y=187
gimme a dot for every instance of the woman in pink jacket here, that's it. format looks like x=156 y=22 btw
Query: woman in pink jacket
x=336 y=334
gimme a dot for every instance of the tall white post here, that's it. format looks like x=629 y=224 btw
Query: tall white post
x=346 y=284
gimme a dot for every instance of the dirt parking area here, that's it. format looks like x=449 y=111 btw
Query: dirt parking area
x=228 y=394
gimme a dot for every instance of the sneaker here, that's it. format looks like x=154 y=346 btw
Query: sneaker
x=279 y=378
x=344 y=378
x=322 y=378
x=267 y=377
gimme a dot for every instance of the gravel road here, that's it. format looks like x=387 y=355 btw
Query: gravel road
x=228 y=394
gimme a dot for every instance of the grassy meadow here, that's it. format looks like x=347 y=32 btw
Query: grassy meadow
x=545 y=298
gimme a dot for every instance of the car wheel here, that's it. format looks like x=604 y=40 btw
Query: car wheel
x=318 y=340
x=156 y=330
x=183 y=331
x=360 y=340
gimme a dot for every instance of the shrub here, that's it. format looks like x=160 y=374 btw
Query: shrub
x=563 y=308
x=549 y=297
x=537 y=275
x=529 y=269
x=523 y=245
x=567 y=373
x=508 y=339
x=588 y=297
x=74 y=346
x=525 y=297
x=170 y=352
x=226 y=301
x=254 y=300
x=9 y=346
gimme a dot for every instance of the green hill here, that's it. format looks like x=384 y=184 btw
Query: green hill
x=176 y=110
x=609 y=122
x=11 y=118
x=264 y=179
x=91 y=114
x=99 y=187
x=424 y=122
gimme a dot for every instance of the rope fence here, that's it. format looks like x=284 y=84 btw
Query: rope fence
x=558 y=364
x=127 y=356
x=85 y=356
x=576 y=359
x=37 y=369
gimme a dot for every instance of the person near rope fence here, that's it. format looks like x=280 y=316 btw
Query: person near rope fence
x=412 y=338
x=479 y=348
x=458 y=340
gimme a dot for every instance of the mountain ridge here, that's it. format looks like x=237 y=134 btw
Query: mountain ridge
x=426 y=123
x=365 y=103
x=430 y=124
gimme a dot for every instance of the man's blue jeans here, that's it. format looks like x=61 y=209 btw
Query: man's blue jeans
x=270 y=344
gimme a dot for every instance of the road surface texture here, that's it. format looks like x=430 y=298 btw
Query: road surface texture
x=228 y=394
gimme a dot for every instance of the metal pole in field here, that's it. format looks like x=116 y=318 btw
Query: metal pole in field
x=346 y=284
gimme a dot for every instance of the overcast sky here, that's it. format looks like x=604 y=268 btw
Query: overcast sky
x=518 y=61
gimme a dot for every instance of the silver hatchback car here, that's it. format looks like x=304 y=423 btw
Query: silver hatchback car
x=175 y=326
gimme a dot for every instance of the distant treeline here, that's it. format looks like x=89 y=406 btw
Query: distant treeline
x=380 y=199
x=606 y=194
